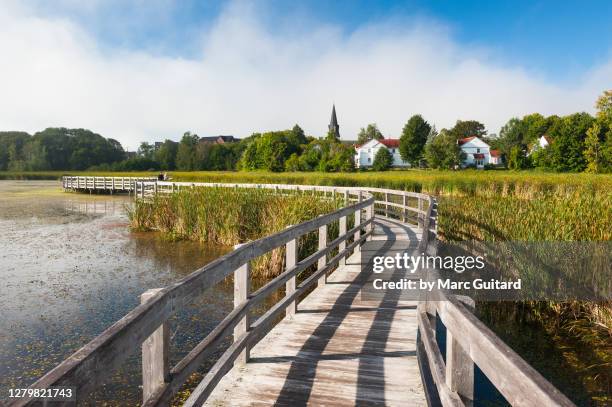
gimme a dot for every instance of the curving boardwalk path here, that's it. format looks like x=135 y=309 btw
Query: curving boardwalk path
x=344 y=346
x=338 y=349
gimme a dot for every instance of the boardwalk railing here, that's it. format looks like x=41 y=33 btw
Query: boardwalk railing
x=109 y=184
x=468 y=342
x=409 y=207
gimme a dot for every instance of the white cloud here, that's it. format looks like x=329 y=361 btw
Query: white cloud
x=53 y=73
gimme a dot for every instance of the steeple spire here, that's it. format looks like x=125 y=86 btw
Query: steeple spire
x=334 y=128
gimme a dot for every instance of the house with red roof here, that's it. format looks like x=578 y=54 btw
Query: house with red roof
x=478 y=153
x=365 y=153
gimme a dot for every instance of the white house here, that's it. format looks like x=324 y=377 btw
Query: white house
x=478 y=153
x=543 y=142
x=365 y=153
x=496 y=158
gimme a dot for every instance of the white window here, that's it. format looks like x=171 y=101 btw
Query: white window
x=478 y=150
x=369 y=160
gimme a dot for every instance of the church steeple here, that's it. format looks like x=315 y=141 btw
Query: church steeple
x=334 y=128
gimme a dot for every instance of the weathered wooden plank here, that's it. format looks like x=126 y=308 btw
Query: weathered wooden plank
x=155 y=352
x=342 y=232
x=241 y=294
x=436 y=363
x=290 y=262
x=459 y=373
x=323 y=243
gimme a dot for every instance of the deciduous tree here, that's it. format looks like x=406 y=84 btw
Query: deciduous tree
x=443 y=152
x=413 y=139
x=467 y=128
x=371 y=132
x=186 y=152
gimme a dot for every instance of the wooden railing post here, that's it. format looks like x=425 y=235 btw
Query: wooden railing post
x=433 y=220
x=241 y=293
x=342 y=232
x=370 y=217
x=323 y=241
x=404 y=210
x=358 y=222
x=155 y=351
x=420 y=219
x=459 y=368
x=290 y=261
x=386 y=205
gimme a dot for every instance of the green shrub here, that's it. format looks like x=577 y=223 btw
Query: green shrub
x=382 y=160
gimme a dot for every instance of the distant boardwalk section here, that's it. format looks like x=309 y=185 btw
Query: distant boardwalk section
x=103 y=184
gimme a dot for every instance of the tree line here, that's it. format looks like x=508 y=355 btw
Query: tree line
x=578 y=142
x=284 y=150
x=57 y=149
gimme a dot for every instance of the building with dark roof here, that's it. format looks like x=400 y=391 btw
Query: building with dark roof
x=219 y=139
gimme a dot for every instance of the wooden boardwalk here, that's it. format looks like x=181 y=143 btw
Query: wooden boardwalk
x=341 y=347
x=338 y=349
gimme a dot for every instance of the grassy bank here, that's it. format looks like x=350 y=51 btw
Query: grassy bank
x=229 y=216
x=527 y=184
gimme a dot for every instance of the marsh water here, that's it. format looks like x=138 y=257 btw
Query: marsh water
x=70 y=267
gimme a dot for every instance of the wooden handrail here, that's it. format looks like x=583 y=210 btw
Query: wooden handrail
x=469 y=341
x=515 y=379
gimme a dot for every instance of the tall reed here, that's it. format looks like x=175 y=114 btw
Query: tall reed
x=228 y=216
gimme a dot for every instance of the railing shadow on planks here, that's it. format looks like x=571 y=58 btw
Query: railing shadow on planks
x=448 y=381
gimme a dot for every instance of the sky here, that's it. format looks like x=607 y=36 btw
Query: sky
x=147 y=70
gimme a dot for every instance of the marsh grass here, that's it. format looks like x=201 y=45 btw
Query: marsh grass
x=457 y=183
x=574 y=336
x=229 y=216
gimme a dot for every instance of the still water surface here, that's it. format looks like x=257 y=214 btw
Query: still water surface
x=70 y=267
